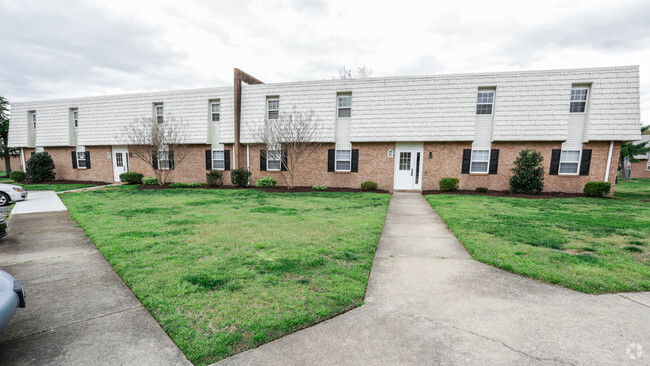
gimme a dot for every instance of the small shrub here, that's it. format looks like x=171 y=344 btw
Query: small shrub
x=240 y=176
x=131 y=178
x=214 y=178
x=596 y=189
x=449 y=184
x=266 y=182
x=149 y=181
x=369 y=186
x=18 y=176
x=187 y=185
x=481 y=190
x=40 y=168
x=528 y=173
x=319 y=188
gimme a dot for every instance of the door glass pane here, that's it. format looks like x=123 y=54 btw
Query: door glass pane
x=404 y=161
x=119 y=160
x=417 y=168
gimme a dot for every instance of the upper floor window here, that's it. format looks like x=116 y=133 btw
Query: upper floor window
x=569 y=161
x=345 y=105
x=480 y=161
x=578 y=99
x=34 y=119
x=484 y=101
x=215 y=111
x=273 y=108
x=343 y=160
x=159 y=112
x=75 y=117
x=218 y=160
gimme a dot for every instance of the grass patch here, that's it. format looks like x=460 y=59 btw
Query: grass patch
x=590 y=245
x=227 y=270
x=51 y=187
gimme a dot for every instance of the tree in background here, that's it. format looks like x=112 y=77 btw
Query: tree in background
x=528 y=173
x=360 y=73
x=629 y=150
x=161 y=145
x=5 y=151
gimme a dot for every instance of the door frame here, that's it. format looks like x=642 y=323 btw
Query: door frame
x=122 y=149
x=418 y=168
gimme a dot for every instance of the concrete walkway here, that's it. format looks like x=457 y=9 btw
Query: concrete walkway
x=428 y=303
x=79 y=312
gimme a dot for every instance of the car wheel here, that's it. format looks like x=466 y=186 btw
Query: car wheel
x=4 y=199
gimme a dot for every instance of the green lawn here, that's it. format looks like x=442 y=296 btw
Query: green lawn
x=227 y=270
x=52 y=187
x=590 y=245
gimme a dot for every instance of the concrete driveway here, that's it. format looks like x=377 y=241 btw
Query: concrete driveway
x=429 y=303
x=79 y=312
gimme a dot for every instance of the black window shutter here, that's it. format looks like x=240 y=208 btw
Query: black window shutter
x=354 y=164
x=87 y=159
x=154 y=160
x=263 y=160
x=208 y=159
x=226 y=160
x=74 y=159
x=283 y=162
x=555 y=162
x=585 y=162
x=331 y=159
x=494 y=161
x=171 y=160
x=467 y=159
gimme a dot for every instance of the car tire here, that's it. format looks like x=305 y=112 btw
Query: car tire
x=4 y=199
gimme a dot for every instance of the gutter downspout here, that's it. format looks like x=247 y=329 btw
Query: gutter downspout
x=609 y=160
x=22 y=159
x=248 y=161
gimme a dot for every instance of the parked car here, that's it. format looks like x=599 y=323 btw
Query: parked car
x=12 y=296
x=11 y=193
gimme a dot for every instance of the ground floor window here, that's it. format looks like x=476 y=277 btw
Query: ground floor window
x=163 y=159
x=273 y=160
x=569 y=161
x=343 y=160
x=647 y=166
x=81 y=159
x=480 y=161
x=218 y=160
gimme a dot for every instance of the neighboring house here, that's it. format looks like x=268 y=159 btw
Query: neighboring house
x=641 y=169
x=405 y=133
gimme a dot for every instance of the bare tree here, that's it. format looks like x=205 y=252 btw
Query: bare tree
x=290 y=138
x=161 y=145
x=360 y=73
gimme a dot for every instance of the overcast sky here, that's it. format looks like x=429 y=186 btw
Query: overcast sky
x=54 y=49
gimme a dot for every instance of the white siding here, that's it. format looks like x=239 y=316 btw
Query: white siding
x=343 y=134
x=483 y=132
x=575 y=132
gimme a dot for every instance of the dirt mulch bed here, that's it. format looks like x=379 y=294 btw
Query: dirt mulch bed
x=543 y=195
x=72 y=182
x=274 y=190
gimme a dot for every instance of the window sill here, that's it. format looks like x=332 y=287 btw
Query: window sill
x=479 y=173
x=342 y=171
x=568 y=174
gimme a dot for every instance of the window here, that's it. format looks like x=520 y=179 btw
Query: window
x=569 y=161
x=647 y=166
x=163 y=159
x=75 y=117
x=273 y=108
x=215 y=111
x=273 y=160
x=343 y=160
x=405 y=160
x=159 y=112
x=484 y=101
x=218 y=160
x=81 y=159
x=578 y=100
x=34 y=119
x=480 y=161
x=345 y=105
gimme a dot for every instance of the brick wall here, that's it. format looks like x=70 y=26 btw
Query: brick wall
x=638 y=170
x=101 y=166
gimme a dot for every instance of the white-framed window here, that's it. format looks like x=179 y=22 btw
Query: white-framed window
x=343 y=160
x=647 y=166
x=81 y=160
x=484 y=101
x=74 y=115
x=215 y=111
x=218 y=160
x=274 y=160
x=569 y=161
x=344 y=105
x=579 y=99
x=273 y=108
x=480 y=161
x=163 y=160
x=34 y=120
x=159 y=112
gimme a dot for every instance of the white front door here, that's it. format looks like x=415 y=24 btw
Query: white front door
x=120 y=162
x=408 y=169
